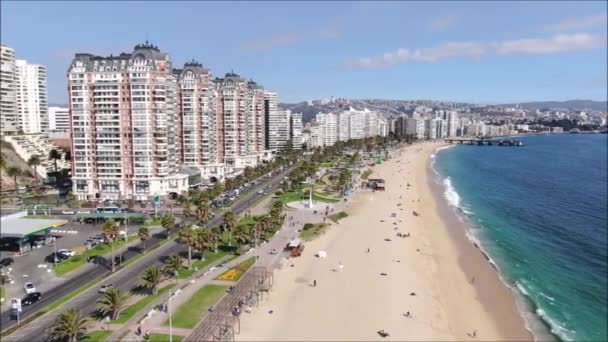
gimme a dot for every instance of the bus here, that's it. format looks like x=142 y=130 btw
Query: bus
x=109 y=210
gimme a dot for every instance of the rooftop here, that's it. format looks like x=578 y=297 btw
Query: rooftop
x=22 y=227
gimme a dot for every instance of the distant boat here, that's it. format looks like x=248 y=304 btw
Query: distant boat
x=575 y=131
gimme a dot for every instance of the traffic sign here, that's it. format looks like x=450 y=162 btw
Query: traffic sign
x=156 y=199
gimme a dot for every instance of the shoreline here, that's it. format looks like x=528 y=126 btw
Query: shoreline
x=425 y=274
x=474 y=259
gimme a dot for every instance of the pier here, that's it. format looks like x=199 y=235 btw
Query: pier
x=482 y=142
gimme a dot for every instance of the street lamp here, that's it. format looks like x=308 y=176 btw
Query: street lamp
x=170 y=320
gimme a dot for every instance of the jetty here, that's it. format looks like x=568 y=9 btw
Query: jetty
x=482 y=142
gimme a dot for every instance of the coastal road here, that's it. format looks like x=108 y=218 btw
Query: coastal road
x=124 y=279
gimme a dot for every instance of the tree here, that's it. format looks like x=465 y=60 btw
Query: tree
x=144 y=234
x=215 y=237
x=168 y=222
x=187 y=236
x=34 y=162
x=112 y=302
x=203 y=240
x=151 y=278
x=173 y=265
x=242 y=236
x=14 y=171
x=229 y=221
x=204 y=214
x=109 y=231
x=54 y=155
x=69 y=325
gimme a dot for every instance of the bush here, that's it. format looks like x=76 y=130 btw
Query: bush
x=308 y=226
x=278 y=193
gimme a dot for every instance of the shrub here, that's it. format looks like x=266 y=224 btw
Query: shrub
x=308 y=226
x=278 y=193
x=77 y=258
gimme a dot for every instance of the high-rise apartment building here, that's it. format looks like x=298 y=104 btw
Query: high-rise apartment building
x=277 y=123
x=295 y=130
x=415 y=127
x=8 y=90
x=32 y=106
x=328 y=123
x=59 y=119
x=123 y=117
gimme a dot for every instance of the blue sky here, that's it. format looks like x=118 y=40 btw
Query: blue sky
x=463 y=51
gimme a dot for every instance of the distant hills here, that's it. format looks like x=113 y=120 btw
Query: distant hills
x=570 y=104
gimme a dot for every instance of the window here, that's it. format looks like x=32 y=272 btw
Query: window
x=142 y=187
x=81 y=186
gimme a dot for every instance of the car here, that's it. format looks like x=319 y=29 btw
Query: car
x=105 y=288
x=29 y=287
x=66 y=252
x=260 y=191
x=31 y=298
x=68 y=212
x=84 y=211
x=6 y=262
x=55 y=257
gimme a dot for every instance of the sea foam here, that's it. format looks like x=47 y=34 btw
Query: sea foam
x=450 y=193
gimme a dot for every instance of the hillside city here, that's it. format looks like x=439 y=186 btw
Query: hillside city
x=195 y=184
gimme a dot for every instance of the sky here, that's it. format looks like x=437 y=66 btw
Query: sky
x=480 y=52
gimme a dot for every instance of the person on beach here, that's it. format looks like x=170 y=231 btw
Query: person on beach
x=314 y=283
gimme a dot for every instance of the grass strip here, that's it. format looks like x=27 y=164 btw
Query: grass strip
x=312 y=231
x=76 y=261
x=96 y=336
x=191 y=312
x=130 y=311
x=338 y=216
x=164 y=338
x=210 y=257
x=366 y=174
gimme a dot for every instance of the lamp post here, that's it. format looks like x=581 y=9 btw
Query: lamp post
x=55 y=253
x=126 y=228
x=170 y=320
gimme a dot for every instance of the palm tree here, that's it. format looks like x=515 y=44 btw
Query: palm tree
x=173 y=265
x=242 y=235
x=70 y=325
x=34 y=162
x=204 y=214
x=14 y=171
x=215 y=237
x=112 y=302
x=229 y=221
x=168 y=222
x=109 y=231
x=151 y=278
x=54 y=155
x=203 y=240
x=187 y=236
x=144 y=234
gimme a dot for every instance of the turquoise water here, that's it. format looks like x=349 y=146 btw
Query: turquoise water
x=540 y=211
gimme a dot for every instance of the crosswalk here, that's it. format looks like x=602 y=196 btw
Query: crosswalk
x=59 y=231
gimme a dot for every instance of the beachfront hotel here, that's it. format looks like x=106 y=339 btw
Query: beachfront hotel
x=140 y=127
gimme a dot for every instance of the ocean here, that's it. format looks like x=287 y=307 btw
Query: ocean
x=540 y=211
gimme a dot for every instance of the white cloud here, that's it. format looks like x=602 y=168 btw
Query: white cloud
x=596 y=20
x=475 y=50
x=443 y=23
x=555 y=44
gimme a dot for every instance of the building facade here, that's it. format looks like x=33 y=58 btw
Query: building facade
x=32 y=106
x=59 y=119
x=8 y=91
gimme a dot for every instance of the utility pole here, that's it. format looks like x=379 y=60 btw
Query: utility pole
x=170 y=321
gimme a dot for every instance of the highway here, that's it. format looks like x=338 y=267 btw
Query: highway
x=124 y=279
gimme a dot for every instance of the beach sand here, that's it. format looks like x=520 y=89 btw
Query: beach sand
x=437 y=263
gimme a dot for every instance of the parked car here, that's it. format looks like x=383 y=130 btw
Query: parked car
x=68 y=212
x=105 y=288
x=6 y=262
x=67 y=252
x=29 y=287
x=31 y=298
x=260 y=191
x=84 y=211
x=55 y=257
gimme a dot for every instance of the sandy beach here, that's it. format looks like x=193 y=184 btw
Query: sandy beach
x=442 y=279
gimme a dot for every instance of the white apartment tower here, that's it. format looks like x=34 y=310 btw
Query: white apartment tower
x=123 y=115
x=32 y=106
x=8 y=90
x=328 y=123
x=59 y=119
x=295 y=130
x=277 y=123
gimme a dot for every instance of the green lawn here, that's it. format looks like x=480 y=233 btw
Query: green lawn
x=190 y=313
x=327 y=164
x=292 y=196
x=338 y=216
x=154 y=223
x=164 y=338
x=198 y=264
x=127 y=313
x=235 y=273
x=41 y=217
x=96 y=335
x=312 y=231
x=76 y=261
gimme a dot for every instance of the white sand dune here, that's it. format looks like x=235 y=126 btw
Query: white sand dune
x=434 y=264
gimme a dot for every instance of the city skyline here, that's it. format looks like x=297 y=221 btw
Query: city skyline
x=536 y=51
